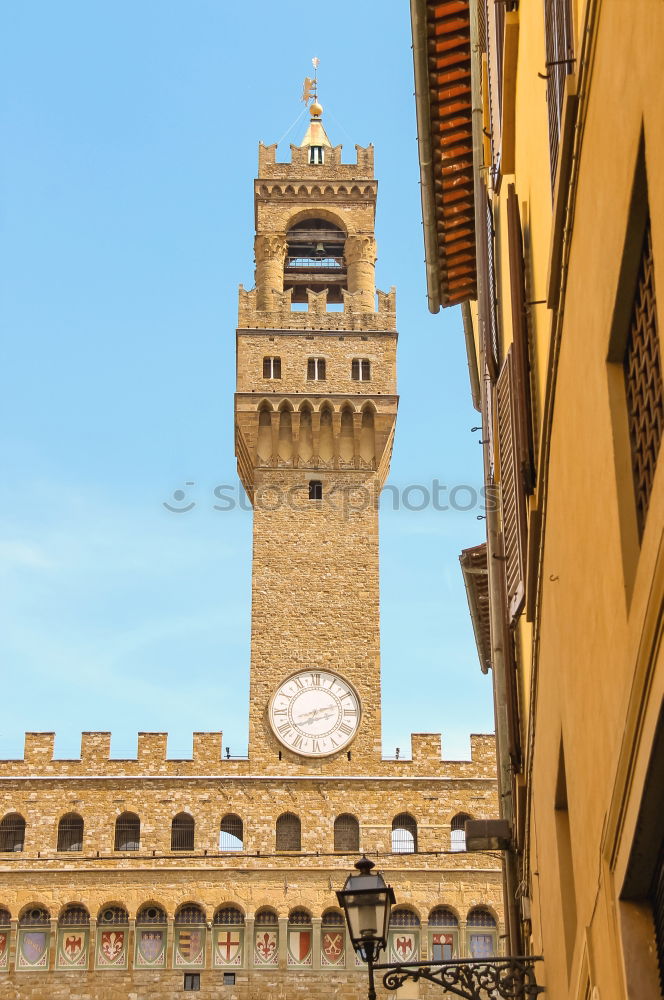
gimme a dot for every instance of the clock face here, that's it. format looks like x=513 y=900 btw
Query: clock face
x=315 y=713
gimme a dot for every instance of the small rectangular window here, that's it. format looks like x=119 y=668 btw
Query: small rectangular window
x=316 y=154
x=315 y=489
x=316 y=369
x=271 y=367
x=192 y=982
x=229 y=979
x=360 y=370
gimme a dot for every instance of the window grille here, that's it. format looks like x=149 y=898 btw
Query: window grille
x=127 y=832
x=332 y=918
x=151 y=915
x=404 y=834
x=458 y=832
x=299 y=917
x=12 y=833
x=5 y=918
x=289 y=833
x=192 y=982
x=190 y=914
x=403 y=917
x=74 y=916
x=229 y=979
x=481 y=918
x=266 y=918
x=35 y=917
x=231 y=833
x=442 y=916
x=346 y=833
x=316 y=155
x=360 y=369
x=271 y=367
x=643 y=382
x=315 y=489
x=113 y=915
x=228 y=915
x=559 y=63
x=70 y=833
x=182 y=832
x=316 y=369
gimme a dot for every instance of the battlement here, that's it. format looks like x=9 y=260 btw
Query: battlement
x=208 y=759
x=316 y=316
x=332 y=169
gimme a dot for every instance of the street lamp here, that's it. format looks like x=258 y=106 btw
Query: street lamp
x=366 y=900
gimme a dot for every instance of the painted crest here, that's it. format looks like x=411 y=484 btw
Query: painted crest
x=33 y=950
x=111 y=948
x=72 y=950
x=266 y=947
x=446 y=944
x=481 y=945
x=404 y=946
x=228 y=948
x=190 y=946
x=332 y=947
x=4 y=950
x=299 y=947
x=151 y=946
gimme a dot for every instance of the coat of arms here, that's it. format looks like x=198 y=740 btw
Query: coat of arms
x=403 y=946
x=111 y=947
x=33 y=950
x=228 y=948
x=333 y=947
x=151 y=946
x=3 y=947
x=266 y=947
x=299 y=947
x=72 y=949
x=190 y=944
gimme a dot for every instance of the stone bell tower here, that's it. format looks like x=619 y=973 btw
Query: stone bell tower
x=315 y=412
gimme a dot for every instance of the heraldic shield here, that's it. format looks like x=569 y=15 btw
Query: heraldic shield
x=112 y=949
x=403 y=946
x=332 y=947
x=33 y=950
x=72 y=950
x=227 y=947
x=299 y=947
x=150 y=948
x=190 y=947
x=265 y=952
x=4 y=949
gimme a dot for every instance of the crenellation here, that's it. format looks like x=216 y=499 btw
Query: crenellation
x=152 y=750
x=39 y=748
x=207 y=750
x=332 y=169
x=95 y=748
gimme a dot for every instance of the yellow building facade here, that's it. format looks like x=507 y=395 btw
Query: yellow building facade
x=541 y=137
x=152 y=877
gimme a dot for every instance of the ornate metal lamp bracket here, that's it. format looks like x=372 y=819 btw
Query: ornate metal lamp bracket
x=508 y=978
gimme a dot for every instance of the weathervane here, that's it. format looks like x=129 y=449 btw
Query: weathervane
x=310 y=90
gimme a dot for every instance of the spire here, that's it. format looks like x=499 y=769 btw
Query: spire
x=315 y=134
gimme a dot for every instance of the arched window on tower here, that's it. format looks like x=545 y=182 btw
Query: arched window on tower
x=404 y=834
x=315 y=260
x=346 y=833
x=289 y=832
x=127 y=832
x=458 y=832
x=12 y=833
x=70 y=833
x=231 y=833
x=182 y=832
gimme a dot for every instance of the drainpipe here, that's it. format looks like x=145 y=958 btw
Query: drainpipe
x=493 y=527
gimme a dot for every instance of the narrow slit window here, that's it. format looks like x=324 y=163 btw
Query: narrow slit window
x=361 y=370
x=316 y=369
x=271 y=367
x=316 y=155
x=315 y=489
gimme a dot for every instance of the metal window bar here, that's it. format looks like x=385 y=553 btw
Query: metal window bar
x=481 y=918
x=182 y=833
x=74 y=916
x=127 y=832
x=289 y=829
x=404 y=835
x=113 y=915
x=299 y=918
x=36 y=917
x=442 y=917
x=266 y=918
x=643 y=382
x=333 y=919
x=192 y=982
x=320 y=263
x=151 y=915
x=231 y=833
x=559 y=62
x=228 y=915
x=458 y=832
x=5 y=918
x=403 y=917
x=346 y=833
x=190 y=915
x=12 y=833
x=70 y=833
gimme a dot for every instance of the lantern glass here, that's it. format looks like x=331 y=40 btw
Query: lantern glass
x=366 y=901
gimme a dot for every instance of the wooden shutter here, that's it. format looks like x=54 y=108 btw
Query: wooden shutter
x=512 y=494
x=559 y=63
x=489 y=310
x=521 y=347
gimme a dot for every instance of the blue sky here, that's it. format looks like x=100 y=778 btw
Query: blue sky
x=130 y=134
